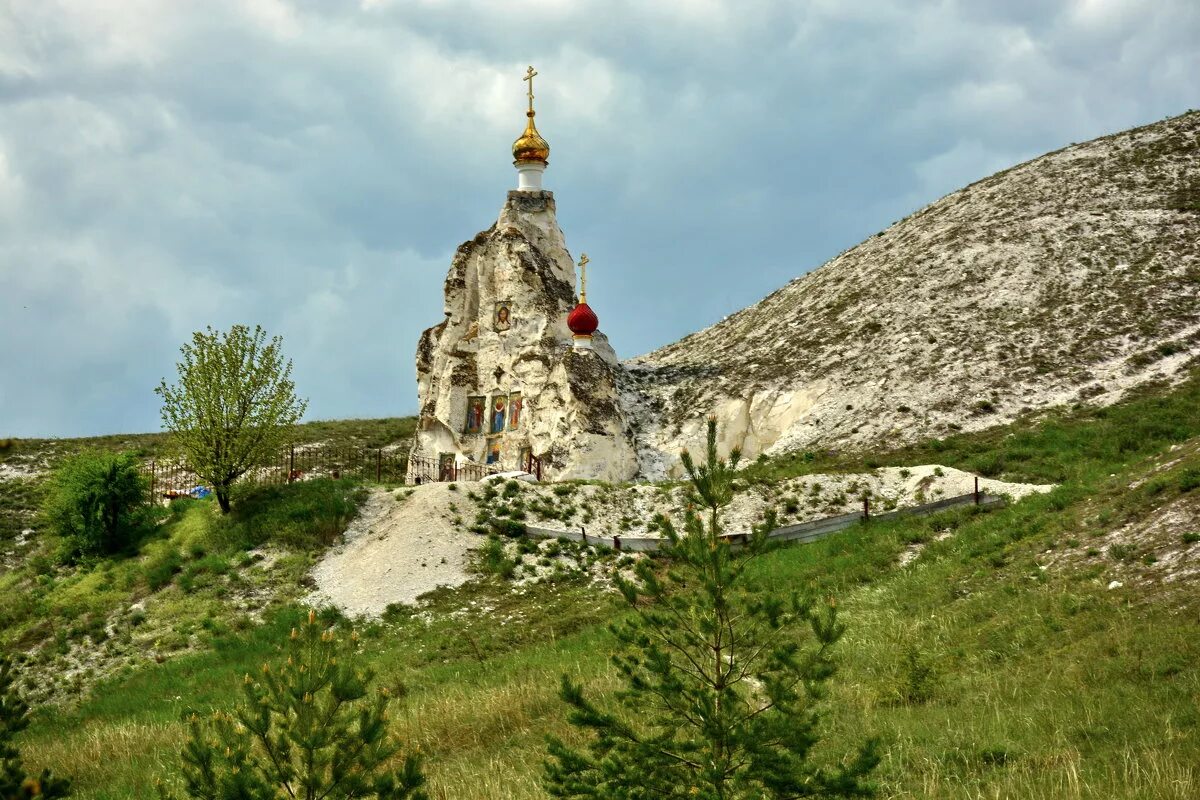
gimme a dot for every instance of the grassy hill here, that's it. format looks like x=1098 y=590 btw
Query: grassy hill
x=1045 y=650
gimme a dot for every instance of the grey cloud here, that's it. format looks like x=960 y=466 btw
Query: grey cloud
x=312 y=166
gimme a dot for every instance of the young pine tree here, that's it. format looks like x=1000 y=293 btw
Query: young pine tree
x=719 y=697
x=308 y=728
x=14 y=717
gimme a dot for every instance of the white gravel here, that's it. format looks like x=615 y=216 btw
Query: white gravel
x=396 y=551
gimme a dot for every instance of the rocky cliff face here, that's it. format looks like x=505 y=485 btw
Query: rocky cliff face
x=497 y=379
x=1070 y=278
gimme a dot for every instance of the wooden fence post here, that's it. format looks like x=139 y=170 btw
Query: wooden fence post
x=866 y=507
x=379 y=465
x=291 y=462
x=153 y=480
x=976 y=490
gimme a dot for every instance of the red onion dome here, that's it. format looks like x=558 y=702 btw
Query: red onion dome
x=582 y=320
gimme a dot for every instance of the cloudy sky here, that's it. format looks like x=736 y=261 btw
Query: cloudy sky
x=311 y=165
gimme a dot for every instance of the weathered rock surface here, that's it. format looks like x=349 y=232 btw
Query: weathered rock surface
x=1070 y=278
x=505 y=345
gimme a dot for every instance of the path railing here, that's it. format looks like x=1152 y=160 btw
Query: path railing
x=800 y=532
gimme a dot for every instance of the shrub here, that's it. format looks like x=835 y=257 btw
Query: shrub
x=161 y=567
x=494 y=560
x=307 y=727
x=1123 y=552
x=507 y=527
x=96 y=503
x=919 y=678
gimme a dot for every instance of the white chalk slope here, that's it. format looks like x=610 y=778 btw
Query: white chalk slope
x=1072 y=277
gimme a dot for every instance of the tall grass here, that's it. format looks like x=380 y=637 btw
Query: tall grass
x=988 y=667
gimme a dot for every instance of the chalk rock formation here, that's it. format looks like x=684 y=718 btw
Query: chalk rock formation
x=1074 y=277
x=498 y=381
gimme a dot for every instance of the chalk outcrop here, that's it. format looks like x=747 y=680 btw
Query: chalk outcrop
x=1074 y=277
x=498 y=381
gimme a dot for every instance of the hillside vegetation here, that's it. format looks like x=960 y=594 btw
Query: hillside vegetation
x=1074 y=276
x=25 y=463
x=75 y=623
x=1045 y=650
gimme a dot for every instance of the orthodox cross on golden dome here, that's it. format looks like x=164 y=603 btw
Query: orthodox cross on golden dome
x=583 y=262
x=529 y=77
x=530 y=151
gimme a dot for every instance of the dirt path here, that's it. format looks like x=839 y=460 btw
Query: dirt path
x=395 y=551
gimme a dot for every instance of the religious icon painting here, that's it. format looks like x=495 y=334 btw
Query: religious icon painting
x=445 y=466
x=499 y=406
x=493 y=453
x=526 y=458
x=515 y=405
x=503 y=315
x=476 y=413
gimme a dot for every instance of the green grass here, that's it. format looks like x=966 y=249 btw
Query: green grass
x=996 y=664
x=982 y=674
x=306 y=515
x=183 y=575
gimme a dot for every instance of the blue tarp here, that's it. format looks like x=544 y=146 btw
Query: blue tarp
x=199 y=492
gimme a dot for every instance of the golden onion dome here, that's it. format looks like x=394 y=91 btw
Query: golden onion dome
x=530 y=146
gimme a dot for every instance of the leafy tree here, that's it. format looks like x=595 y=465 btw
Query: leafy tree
x=97 y=502
x=308 y=728
x=719 y=697
x=14 y=717
x=234 y=405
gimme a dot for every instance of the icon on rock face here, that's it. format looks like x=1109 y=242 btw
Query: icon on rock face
x=514 y=410
x=499 y=404
x=503 y=316
x=475 y=414
x=493 y=456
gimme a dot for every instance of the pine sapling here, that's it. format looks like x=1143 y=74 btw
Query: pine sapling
x=307 y=728
x=15 y=784
x=721 y=684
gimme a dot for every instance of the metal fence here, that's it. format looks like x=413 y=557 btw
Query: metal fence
x=801 y=532
x=422 y=469
x=172 y=478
